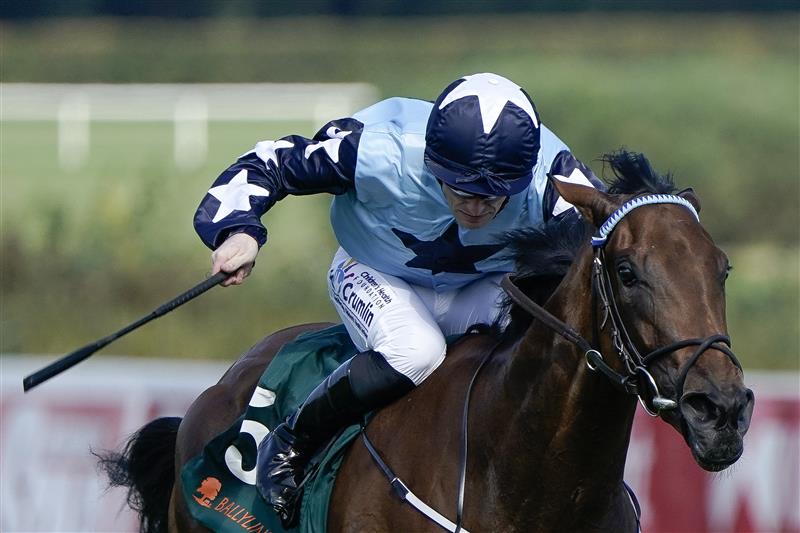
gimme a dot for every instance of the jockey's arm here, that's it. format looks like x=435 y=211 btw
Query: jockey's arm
x=565 y=167
x=228 y=219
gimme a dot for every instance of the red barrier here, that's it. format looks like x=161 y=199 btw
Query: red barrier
x=758 y=494
x=49 y=480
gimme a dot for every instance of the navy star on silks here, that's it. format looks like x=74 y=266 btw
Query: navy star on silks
x=446 y=253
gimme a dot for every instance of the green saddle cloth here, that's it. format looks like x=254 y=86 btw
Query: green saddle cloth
x=219 y=484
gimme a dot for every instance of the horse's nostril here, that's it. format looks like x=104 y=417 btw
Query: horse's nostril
x=702 y=407
x=744 y=411
x=741 y=418
x=734 y=411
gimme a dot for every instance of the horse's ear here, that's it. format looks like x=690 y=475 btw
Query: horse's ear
x=593 y=205
x=689 y=195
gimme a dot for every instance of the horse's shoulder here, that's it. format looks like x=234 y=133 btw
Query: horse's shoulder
x=477 y=340
x=462 y=359
x=469 y=349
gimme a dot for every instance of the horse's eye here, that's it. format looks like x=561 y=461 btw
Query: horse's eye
x=727 y=272
x=626 y=275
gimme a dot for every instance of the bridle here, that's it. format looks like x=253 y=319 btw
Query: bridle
x=636 y=379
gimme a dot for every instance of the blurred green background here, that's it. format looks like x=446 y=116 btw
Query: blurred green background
x=711 y=97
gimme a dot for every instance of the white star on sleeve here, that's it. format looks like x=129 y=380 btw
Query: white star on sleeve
x=331 y=145
x=265 y=150
x=235 y=195
x=577 y=177
x=493 y=93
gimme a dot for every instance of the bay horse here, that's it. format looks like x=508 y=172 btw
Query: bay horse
x=550 y=414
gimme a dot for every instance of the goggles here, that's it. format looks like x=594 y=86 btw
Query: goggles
x=469 y=196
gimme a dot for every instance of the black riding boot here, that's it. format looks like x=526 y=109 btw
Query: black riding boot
x=360 y=385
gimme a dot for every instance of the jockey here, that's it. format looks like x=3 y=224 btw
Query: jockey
x=423 y=196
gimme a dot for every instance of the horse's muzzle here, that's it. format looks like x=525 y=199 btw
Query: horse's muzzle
x=715 y=424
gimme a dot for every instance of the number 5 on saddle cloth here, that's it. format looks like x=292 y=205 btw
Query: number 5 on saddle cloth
x=219 y=484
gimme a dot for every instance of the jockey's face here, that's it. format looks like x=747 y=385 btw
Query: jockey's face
x=472 y=211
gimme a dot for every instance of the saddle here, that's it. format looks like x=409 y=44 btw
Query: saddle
x=219 y=484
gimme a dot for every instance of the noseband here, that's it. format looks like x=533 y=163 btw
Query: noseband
x=636 y=379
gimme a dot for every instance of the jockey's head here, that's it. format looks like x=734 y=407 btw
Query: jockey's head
x=482 y=142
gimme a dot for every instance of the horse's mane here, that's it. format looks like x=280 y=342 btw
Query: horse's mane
x=634 y=175
x=543 y=255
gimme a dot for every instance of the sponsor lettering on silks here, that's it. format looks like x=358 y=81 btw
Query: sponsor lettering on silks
x=370 y=284
x=358 y=295
x=357 y=305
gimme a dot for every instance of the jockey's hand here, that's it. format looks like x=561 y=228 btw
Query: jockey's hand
x=236 y=256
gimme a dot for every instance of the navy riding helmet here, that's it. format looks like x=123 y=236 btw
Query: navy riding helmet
x=483 y=136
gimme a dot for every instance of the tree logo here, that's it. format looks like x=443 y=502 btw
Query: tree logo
x=208 y=490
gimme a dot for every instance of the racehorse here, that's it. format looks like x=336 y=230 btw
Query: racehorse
x=549 y=414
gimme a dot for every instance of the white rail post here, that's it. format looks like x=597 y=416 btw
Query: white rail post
x=73 y=130
x=191 y=131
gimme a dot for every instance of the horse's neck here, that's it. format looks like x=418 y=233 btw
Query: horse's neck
x=567 y=429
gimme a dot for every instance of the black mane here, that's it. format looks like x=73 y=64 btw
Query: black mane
x=543 y=255
x=634 y=175
x=549 y=250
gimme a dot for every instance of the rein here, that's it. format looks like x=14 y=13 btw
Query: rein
x=402 y=490
x=637 y=380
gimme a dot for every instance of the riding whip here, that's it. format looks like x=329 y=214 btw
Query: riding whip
x=80 y=354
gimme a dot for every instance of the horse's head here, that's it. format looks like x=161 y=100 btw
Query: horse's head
x=664 y=281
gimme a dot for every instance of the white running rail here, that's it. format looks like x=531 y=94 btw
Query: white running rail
x=190 y=107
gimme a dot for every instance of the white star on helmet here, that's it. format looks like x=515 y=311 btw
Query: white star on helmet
x=493 y=93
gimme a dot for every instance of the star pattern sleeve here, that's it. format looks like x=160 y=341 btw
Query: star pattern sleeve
x=566 y=168
x=272 y=170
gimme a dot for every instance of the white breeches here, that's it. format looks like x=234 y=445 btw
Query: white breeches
x=406 y=323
